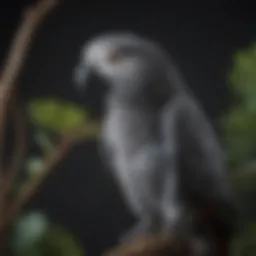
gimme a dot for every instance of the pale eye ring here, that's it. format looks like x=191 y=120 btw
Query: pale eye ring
x=119 y=54
x=116 y=56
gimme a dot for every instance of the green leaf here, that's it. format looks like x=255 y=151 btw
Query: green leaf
x=72 y=118
x=33 y=235
x=243 y=76
x=251 y=103
x=239 y=126
x=34 y=166
x=28 y=230
x=57 y=115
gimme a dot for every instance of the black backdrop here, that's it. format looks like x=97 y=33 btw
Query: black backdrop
x=201 y=39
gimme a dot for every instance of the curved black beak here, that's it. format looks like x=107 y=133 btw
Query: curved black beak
x=86 y=78
x=81 y=76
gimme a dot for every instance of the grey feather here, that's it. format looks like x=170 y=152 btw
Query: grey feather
x=152 y=122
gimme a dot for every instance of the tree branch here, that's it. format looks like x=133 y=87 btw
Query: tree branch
x=15 y=59
x=18 y=156
x=155 y=245
x=32 y=185
x=32 y=17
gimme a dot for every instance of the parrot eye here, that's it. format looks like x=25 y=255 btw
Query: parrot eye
x=120 y=54
x=116 y=56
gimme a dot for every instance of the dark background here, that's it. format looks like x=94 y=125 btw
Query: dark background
x=202 y=40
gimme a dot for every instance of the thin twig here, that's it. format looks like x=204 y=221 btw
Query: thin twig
x=15 y=59
x=51 y=161
x=12 y=68
x=32 y=185
x=18 y=156
x=91 y=130
x=33 y=16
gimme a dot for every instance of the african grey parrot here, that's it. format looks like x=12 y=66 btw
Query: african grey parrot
x=162 y=149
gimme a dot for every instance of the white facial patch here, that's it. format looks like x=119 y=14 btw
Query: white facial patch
x=96 y=54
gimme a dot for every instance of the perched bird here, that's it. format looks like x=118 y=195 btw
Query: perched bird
x=162 y=150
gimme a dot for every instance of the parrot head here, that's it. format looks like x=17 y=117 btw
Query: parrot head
x=125 y=62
